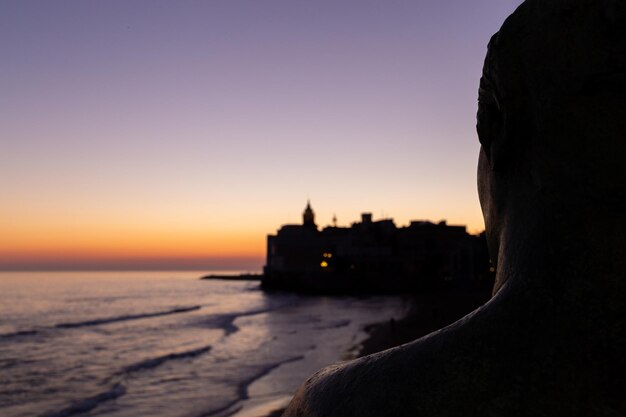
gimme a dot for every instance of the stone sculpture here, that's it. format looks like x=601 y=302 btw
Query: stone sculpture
x=552 y=185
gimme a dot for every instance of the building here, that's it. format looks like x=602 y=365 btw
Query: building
x=373 y=256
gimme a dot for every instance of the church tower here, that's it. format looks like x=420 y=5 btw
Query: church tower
x=308 y=217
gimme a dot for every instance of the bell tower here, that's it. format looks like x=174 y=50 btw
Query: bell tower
x=308 y=217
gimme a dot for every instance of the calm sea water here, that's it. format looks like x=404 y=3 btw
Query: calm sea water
x=165 y=343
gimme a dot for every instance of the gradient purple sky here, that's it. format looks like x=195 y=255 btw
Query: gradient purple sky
x=188 y=130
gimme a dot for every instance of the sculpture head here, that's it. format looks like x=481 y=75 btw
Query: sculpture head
x=552 y=114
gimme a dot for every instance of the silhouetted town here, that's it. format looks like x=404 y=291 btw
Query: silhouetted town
x=374 y=256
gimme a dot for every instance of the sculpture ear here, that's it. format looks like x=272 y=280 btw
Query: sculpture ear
x=500 y=125
x=497 y=122
x=490 y=125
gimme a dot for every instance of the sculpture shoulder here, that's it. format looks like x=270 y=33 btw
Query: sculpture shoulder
x=494 y=362
x=355 y=388
x=411 y=380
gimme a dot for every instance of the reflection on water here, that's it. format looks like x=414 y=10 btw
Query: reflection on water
x=164 y=344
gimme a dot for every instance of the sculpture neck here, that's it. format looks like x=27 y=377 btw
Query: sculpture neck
x=569 y=253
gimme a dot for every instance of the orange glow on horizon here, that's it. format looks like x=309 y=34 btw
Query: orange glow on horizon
x=95 y=240
x=102 y=246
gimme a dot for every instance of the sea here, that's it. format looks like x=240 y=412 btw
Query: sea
x=167 y=343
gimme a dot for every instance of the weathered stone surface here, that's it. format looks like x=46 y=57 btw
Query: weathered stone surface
x=552 y=183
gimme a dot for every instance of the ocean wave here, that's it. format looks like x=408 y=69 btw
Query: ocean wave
x=222 y=321
x=87 y=404
x=107 y=320
x=159 y=360
x=242 y=389
x=7 y=363
x=20 y=333
x=226 y=321
x=118 y=389
x=243 y=386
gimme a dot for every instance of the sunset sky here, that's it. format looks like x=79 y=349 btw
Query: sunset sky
x=178 y=134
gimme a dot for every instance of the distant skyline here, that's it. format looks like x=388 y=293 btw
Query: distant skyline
x=177 y=135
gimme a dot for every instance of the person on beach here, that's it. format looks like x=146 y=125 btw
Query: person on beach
x=552 y=186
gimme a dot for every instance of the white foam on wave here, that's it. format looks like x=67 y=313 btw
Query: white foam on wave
x=159 y=360
x=237 y=404
x=107 y=320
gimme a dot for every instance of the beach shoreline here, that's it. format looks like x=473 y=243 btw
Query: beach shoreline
x=427 y=313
